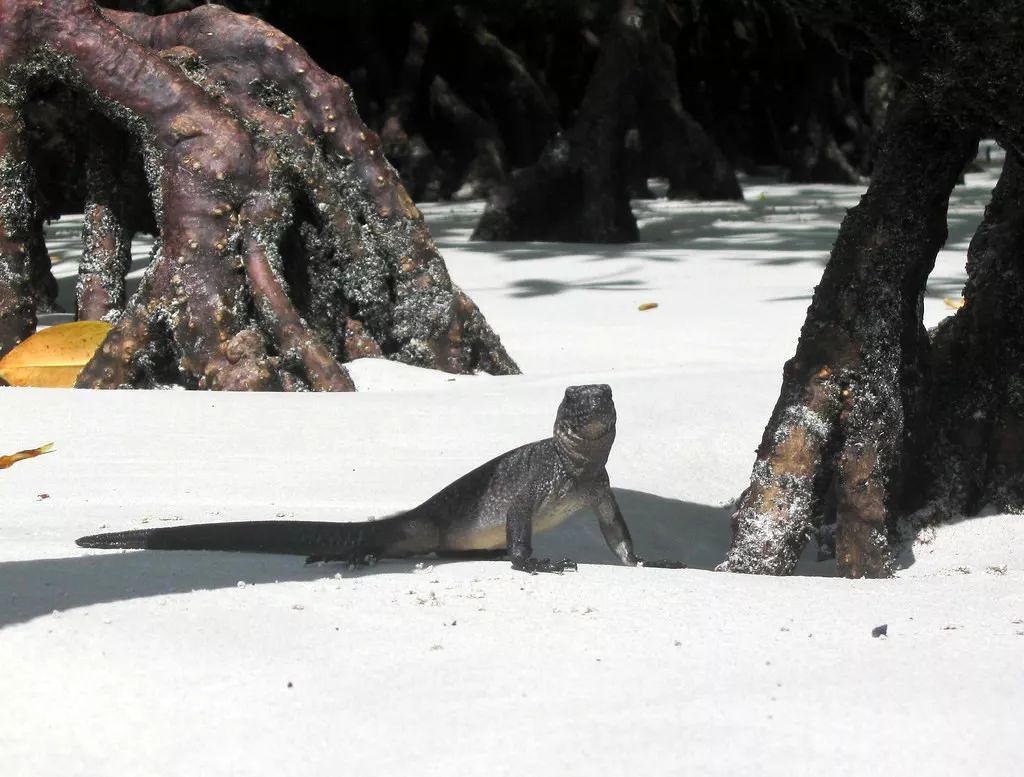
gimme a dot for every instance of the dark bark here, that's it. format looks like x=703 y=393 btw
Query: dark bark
x=41 y=282
x=410 y=154
x=578 y=190
x=107 y=253
x=456 y=106
x=637 y=168
x=17 y=223
x=879 y=90
x=874 y=420
x=243 y=134
x=478 y=151
x=495 y=83
x=964 y=56
x=810 y=149
x=841 y=419
x=523 y=69
x=675 y=144
x=970 y=441
x=777 y=97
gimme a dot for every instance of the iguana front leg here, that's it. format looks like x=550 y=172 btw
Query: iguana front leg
x=613 y=527
x=616 y=534
x=519 y=536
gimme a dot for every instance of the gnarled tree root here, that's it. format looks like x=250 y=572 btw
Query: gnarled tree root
x=850 y=394
x=17 y=211
x=287 y=244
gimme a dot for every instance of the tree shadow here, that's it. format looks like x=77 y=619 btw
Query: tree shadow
x=540 y=287
x=933 y=527
x=903 y=550
x=697 y=535
x=533 y=251
x=777 y=225
x=780 y=225
x=452 y=223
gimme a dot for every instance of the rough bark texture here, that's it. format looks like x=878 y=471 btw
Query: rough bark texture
x=874 y=419
x=961 y=54
x=17 y=220
x=971 y=441
x=840 y=421
x=287 y=244
x=107 y=253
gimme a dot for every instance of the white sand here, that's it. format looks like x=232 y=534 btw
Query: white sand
x=147 y=663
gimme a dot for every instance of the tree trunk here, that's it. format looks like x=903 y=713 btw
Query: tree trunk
x=578 y=190
x=970 y=432
x=410 y=154
x=480 y=155
x=875 y=420
x=810 y=150
x=107 y=234
x=250 y=150
x=17 y=222
x=674 y=142
x=495 y=83
x=841 y=421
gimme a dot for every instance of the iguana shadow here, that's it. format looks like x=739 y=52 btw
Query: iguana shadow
x=29 y=589
x=697 y=535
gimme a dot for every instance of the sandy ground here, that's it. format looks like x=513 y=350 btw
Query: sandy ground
x=149 y=663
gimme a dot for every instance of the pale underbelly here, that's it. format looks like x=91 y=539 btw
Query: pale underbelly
x=494 y=536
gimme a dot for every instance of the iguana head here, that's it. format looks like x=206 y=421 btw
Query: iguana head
x=585 y=425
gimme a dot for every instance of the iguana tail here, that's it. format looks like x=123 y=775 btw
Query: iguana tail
x=387 y=537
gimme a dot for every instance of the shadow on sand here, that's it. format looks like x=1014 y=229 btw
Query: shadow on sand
x=781 y=225
x=38 y=587
x=697 y=535
x=776 y=225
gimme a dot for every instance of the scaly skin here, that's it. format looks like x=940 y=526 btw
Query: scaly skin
x=496 y=507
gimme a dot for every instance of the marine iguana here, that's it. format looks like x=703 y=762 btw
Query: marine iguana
x=492 y=510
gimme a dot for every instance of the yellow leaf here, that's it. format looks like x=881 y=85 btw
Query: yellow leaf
x=53 y=357
x=647 y=306
x=14 y=458
x=956 y=304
